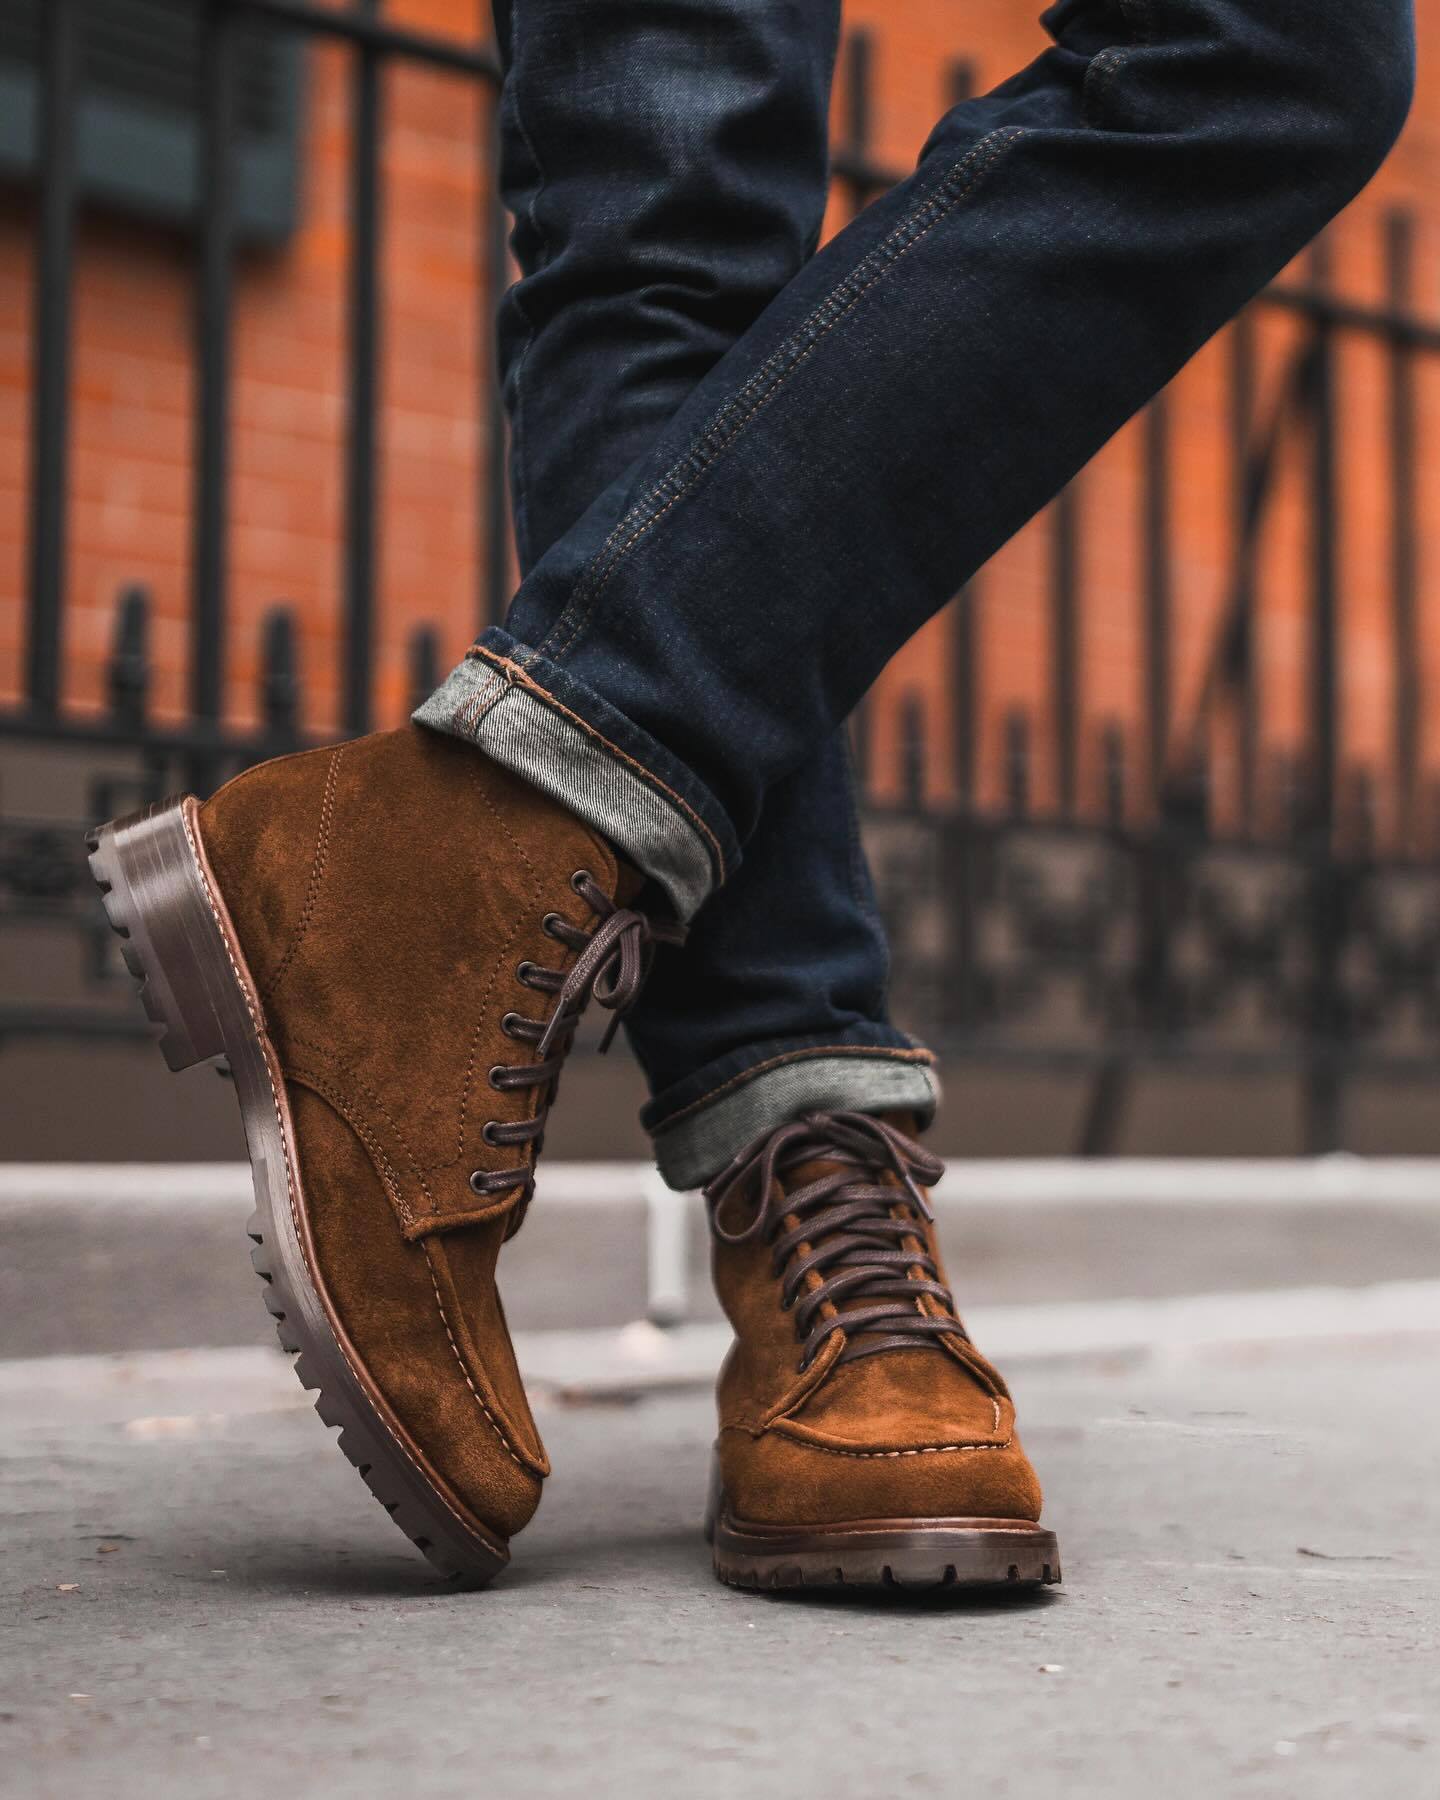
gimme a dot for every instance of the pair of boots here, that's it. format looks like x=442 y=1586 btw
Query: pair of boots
x=391 y=942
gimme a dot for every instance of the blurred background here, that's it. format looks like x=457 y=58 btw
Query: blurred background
x=1154 y=805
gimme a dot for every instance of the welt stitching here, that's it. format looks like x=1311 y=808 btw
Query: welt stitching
x=770 y=378
x=494 y=1425
x=890 y=1053
x=527 y=681
x=318 y=865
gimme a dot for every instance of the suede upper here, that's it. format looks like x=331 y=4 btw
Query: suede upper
x=385 y=893
x=905 y=1433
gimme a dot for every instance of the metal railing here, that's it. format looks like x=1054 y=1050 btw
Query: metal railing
x=1091 y=933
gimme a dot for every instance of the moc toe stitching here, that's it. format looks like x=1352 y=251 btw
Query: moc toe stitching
x=538 y=1466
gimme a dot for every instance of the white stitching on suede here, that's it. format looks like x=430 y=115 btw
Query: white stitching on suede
x=509 y=1448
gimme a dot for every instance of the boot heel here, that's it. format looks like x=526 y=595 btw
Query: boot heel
x=156 y=900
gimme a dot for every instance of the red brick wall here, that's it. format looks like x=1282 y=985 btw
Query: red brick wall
x=131 y=503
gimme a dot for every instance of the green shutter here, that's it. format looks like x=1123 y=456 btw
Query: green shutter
x=137 y=144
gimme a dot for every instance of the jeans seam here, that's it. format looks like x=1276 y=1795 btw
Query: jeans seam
x=922 y=1058
x=522 y=678
x=519 y=483
x=1105 y=65
x=770 y=379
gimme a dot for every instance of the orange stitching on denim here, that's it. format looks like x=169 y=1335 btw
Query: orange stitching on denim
x=910 y=231
x=530 y=1468
x=522 y=678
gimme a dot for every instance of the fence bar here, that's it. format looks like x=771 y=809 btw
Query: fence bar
x=965 y=689
x=1159 y=590
x=1404 y=545
x=213 y=297
x=363 y=27
x=50 y=407
x=362 y=435
x=1065 y=641
x=1245 y=530
x=1322 y=1085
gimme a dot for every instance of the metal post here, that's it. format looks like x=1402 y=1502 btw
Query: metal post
x=362 y=434
x=213 y=298
x=1404 y=535
x=1324 y=1024
x=50 y=406
x=1065 y=643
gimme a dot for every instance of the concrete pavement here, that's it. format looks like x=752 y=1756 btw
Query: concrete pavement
x=199 y=1600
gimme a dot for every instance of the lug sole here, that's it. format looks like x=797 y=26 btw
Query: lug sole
x=920 y=1555
x=179 y=943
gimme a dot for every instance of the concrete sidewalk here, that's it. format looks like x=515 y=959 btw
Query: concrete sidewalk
x=202 y=1601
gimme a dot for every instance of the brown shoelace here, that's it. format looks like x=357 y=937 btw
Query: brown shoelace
x=846 y=1217
x=611 y=965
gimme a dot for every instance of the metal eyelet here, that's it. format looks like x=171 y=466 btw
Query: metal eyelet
x=487 y=1134
x=509 y=1022
x=550 y=921
x=579 y=879
x=523 y=972
x=477 y=1181
x=497 y=1069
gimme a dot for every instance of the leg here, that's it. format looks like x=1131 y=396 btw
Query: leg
x=638 y=272
x=924 y=384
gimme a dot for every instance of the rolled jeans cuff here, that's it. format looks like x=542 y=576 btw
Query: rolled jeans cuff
x=558 y=734
x=693 y=1144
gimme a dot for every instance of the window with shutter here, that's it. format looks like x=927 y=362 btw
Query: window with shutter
x=137 y=123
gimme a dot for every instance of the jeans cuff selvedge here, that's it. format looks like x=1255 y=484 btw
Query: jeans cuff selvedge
x=695 y=1143
x=564 y=739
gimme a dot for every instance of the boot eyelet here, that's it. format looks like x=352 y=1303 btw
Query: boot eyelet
x=477 y=1182
x=487 y=1134
x=497 y=1069
x=550 y=921
x=579 y=879
x=523 y=972
x=509 y=1022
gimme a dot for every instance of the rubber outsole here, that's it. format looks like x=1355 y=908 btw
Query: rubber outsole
x=162 y=900
x=918 y=1555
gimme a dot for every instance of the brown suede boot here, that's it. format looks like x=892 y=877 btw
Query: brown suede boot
x=864 y=1441
x=390 y=942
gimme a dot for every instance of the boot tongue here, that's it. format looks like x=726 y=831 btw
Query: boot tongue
x=630 y=883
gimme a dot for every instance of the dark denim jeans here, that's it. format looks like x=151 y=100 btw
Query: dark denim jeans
x=796 y=476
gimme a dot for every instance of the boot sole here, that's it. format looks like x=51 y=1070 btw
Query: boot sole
x=162 y=899
x=913 y=1554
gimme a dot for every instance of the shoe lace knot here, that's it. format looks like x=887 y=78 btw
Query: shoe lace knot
x=844 y=1242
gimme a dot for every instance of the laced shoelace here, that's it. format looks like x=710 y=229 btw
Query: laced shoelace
x=846 y=1217
x=612 y=961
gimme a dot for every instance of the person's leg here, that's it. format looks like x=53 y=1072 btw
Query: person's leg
x=667 y=173
x=921 y=387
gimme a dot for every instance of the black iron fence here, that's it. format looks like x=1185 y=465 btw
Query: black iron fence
x=1094 y=933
